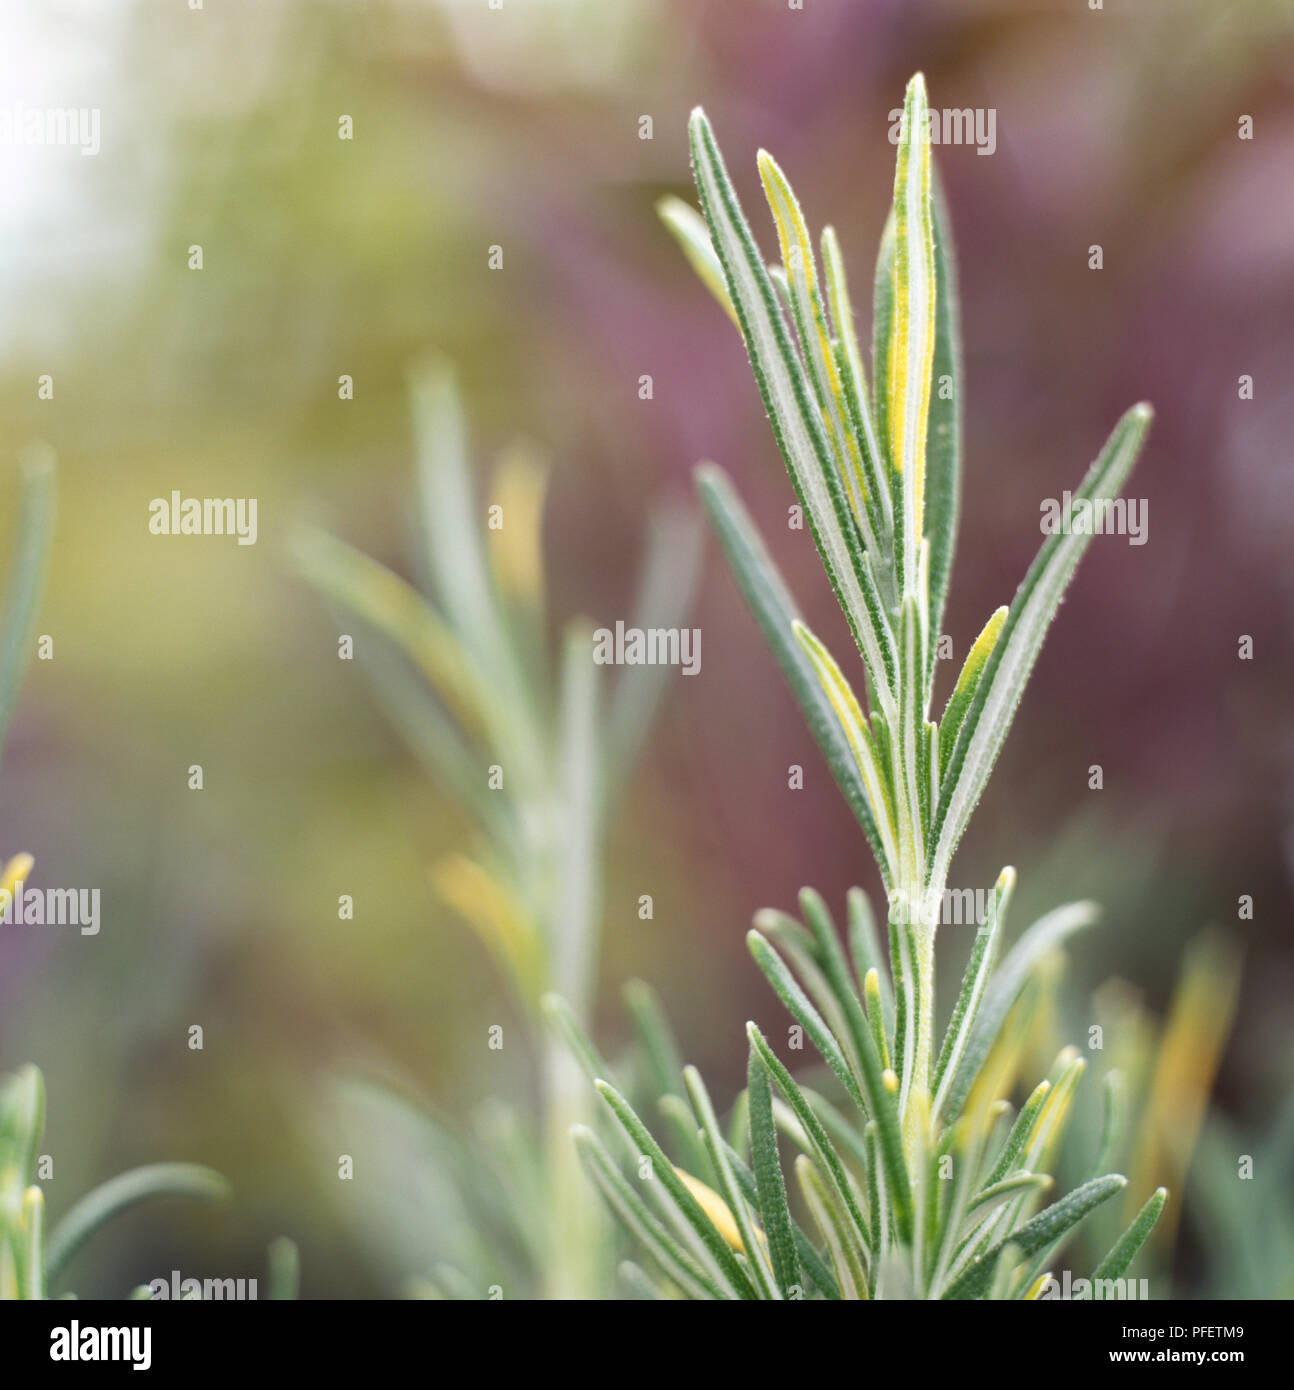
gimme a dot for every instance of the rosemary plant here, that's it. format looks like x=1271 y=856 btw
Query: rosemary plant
x=526 y=748
x=921 y=1184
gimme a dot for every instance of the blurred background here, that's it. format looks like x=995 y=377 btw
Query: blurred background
x=521 y=128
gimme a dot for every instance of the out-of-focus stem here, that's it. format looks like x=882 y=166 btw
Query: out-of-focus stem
x=575 y=1235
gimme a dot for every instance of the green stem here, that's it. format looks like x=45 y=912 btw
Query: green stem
x=573 y=1269
x=916 y=1101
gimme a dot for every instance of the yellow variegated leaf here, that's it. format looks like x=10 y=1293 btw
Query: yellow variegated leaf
x=1050 y=1124
x=912 y=330
x=964 y=691
x=1190 y=1049
x=516 y=546
x=497 y=917
x=393 y=606
x=854 y=726
x=689 y=230
x=716 y=1209
x=15 y=872
x=815 y=335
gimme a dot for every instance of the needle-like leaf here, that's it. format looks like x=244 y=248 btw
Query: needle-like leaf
x=125 y=1190
x=771 y=1185
x=1124 y=1251
x=688 y=228
x=911 y=342
x=1045 y=1228
x=1004 y=988
x=776 y=612
x=974 y=984
x=1002 y=683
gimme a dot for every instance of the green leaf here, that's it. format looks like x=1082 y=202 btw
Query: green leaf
x=775 y=611
x=1045 y=1228
x=451 y=516
x=814 y=1133
x=1019 y=1135
x=31 y=549
x=865 y=948
x=125 y=1190
x=806 y=961
x=678 y=1114
x=674 y=1187
x=1044 y=936
x=1011 y=662
x=974 y=984
x=944 y=445
x=911 y=788
x=676 y=1262
x=967 y=684
x=882 y=327
x=851 y=370
x=655 y=1038
x=284 y=1269
x=813 y=1265
x=22 y=1121
x=832 y=1223
x=854 y=726
x=880 y=1102
x=564 y=1023
x=31 y=1263
x=843 y=1132
x=771 y=1185
x=795 y=999
x=876 y=1014
x=1008 y=1261
x=396 y=609
x=1112 y=1116
x=756 y=1259
x=1115 y=1264
x=1008 y=1187
x=639 y=1283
